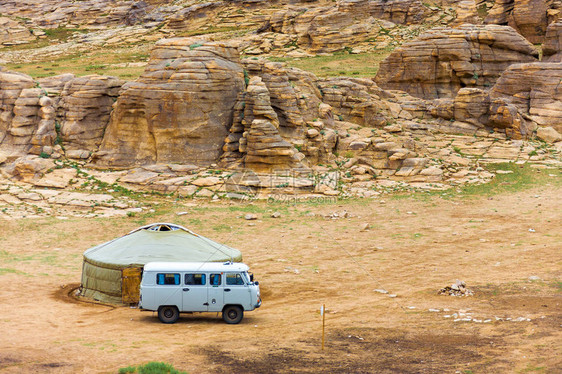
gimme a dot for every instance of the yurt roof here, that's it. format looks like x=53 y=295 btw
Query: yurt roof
x=159 y=242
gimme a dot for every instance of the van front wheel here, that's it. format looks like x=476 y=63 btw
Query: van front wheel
x=168 y=314
x=232 y=314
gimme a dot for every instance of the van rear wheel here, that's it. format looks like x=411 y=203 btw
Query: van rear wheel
x=232 y=314
x=168 y=314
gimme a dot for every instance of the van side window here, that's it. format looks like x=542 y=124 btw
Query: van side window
x=167 y=279
x=234 y=279
x=195 y=279
x=215 y=279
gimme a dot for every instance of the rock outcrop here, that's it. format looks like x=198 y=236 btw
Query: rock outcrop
x=12 y=32
x=85 y=109
x=529 y=17
x=27 y=115
x=264 y=148
x=179 y=110
x=551 y=48
x=534 y=90
x=61 y=111
x=444 y=60
x=355 y=100
x=89 y=13
x=328 y=29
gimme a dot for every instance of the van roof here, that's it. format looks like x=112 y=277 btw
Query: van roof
x=195 y=266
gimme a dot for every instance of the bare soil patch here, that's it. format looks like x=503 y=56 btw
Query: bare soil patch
x=414 y=247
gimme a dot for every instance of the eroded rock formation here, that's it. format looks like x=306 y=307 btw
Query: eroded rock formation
x=327 y=29
x=91 y=13
x=263 y=146
x=534 y=90
x=12 y=32
x=85 y=109
x=551 y=48
x=444 y=60
x=179 y=110
x=529 y=17
x=22 y=107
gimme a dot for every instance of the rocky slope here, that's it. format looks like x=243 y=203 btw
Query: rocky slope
x=442 y=104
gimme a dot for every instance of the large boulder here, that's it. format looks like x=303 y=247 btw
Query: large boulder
x=179 y=110
x=443 y=60
x=534 y=90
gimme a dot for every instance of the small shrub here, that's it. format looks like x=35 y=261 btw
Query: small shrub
x=44 y=155
x=194 y=45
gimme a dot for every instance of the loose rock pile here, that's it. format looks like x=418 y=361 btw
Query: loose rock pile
x=456 y=289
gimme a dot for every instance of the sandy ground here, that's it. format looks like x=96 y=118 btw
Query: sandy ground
x=414 y=247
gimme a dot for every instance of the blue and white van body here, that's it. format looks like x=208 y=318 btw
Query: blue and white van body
x=175 y=287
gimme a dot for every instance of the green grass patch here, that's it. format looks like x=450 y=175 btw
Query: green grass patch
x=522 y=177
x=222 y=228
x=151 y=368
x=54 y=36
x=9 y=271
x=339 y=64
x=101 y=61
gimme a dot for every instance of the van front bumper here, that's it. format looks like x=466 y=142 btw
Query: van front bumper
x=258 y=304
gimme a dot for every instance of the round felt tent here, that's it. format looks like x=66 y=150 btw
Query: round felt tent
x=111 y=272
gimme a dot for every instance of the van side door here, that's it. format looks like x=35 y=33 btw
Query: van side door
x=236 y=291
x=215 y=292
x=168 y=289
x=195 y=292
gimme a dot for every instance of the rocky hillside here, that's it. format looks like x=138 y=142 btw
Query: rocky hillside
x=217 y=107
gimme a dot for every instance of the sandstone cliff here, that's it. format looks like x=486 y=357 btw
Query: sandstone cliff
x=179 y=110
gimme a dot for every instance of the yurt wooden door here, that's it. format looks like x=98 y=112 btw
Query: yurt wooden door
x=130 y=285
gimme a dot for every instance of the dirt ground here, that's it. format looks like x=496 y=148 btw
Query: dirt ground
x=414 y=247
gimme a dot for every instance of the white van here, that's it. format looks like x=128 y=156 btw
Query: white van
x=174 y=287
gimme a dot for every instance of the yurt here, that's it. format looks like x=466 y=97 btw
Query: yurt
x=112 y=271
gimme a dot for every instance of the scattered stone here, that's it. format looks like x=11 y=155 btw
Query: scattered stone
x=206 y=182
x=250 y=217
x=381 y=291
x=548 y=134
x=456 y=289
